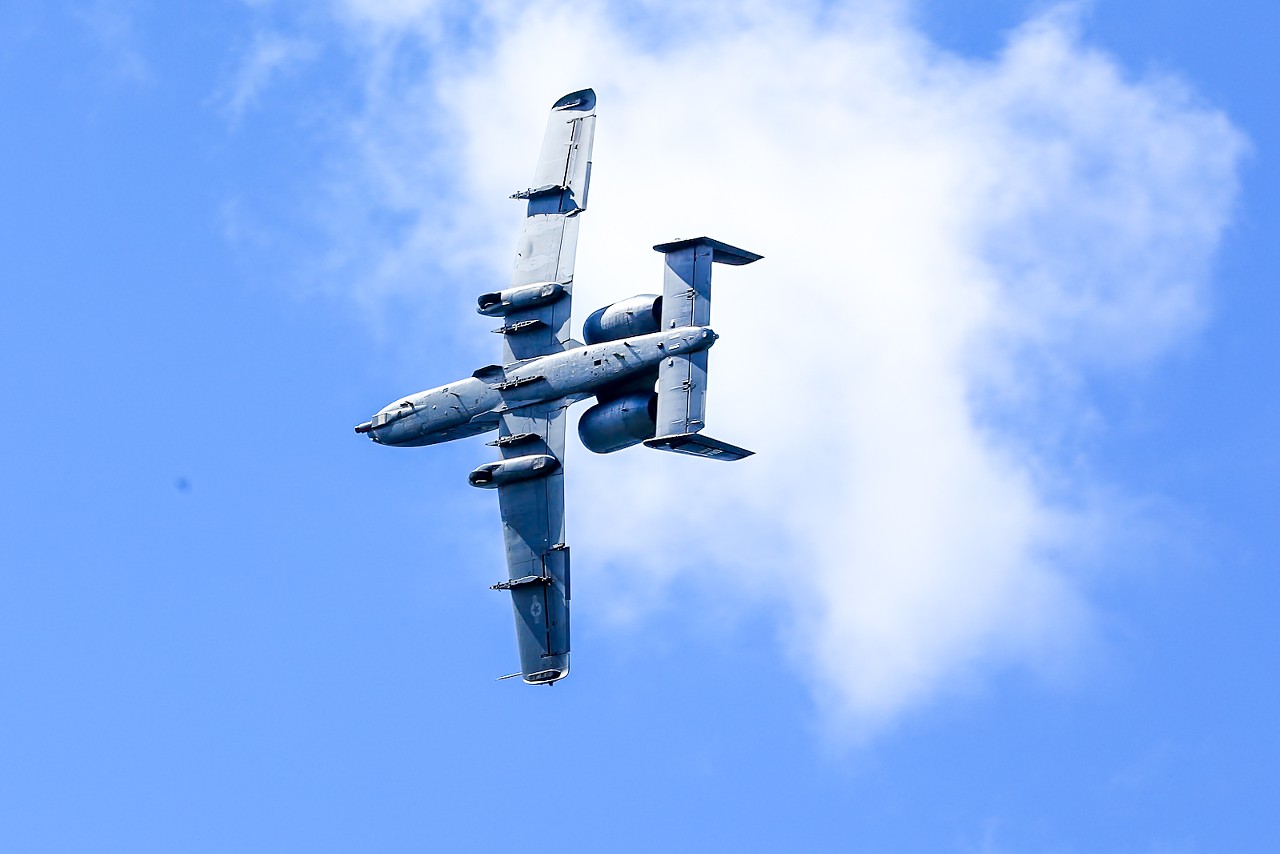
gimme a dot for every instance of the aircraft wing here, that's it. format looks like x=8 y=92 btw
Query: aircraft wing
x=533 y=510
x=533 y=533
x=549 y=236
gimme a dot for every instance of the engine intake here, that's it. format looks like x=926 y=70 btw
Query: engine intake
x=638 y=315
x=493 y=475
x=619 y=423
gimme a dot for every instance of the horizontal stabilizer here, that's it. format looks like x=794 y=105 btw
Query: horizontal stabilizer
x=721 y=253
x=682 y=377
x=698 y=445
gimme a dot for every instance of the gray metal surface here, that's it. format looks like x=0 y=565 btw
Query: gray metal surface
x=686 y=301
x=542 y=372
x=549 y=237
x=534 y=537
x=533 y=510
x=682 y=378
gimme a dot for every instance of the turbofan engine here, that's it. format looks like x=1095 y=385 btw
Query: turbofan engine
x=619 y=423
x=638 y=315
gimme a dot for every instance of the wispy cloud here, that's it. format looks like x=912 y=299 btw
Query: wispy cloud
x=267 y=57
x=395 y=14
x=952 y=246
x=110 y=23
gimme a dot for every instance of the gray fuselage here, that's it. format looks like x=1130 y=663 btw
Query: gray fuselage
x=471 y=406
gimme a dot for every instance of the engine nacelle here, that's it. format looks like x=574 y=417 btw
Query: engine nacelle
x=638 y=315
x=619 y=423
x=493 y=475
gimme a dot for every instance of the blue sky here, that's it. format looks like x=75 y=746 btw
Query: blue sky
x=1017 y=266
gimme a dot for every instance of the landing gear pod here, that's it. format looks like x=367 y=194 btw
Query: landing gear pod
x=502 y=303
x=493 y=475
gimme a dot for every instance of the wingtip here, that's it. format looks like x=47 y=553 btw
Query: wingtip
x=583 y=100
x=722 y=253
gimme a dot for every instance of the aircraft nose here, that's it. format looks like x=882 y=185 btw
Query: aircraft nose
x=367 y=429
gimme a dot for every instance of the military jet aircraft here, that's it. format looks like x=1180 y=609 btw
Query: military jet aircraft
x=630 y=346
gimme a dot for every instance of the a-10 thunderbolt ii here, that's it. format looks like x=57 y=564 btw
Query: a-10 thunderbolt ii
x=630 y=346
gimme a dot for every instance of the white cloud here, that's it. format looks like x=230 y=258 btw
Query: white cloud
x=267 y=57
x=951 y=244
x=387 y=12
